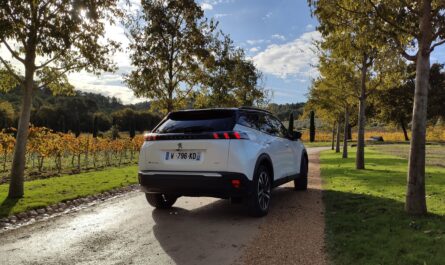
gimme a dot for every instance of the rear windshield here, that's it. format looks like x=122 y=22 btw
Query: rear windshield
x=198 y=122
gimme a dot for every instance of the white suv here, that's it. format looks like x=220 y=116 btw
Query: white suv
x=237 y=153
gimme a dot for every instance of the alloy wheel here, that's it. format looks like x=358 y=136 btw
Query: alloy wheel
x=264 y=190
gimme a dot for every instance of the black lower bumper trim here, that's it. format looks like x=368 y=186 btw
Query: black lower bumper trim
x=195 y=185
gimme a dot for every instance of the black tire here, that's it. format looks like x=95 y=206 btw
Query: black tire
x=160 y=201
x=301 y=182
x=259 y=200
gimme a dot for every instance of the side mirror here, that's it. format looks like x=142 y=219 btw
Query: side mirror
x=296 y=136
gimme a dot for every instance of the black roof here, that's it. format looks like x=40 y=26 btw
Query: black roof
x=224 y=109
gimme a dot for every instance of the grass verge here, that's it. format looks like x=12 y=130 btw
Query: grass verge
x=41 y=193
x=365 y=218
x=435 y=153
x=316 y=144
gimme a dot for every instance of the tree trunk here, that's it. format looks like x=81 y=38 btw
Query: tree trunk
x=360 y=157
x=405 y=133
x=337 y=147
x=345 y=136
x=415 y=195
x=349 y=132
x=16 y=187
x=333 y=136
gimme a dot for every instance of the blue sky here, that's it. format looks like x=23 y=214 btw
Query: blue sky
x=277 y=35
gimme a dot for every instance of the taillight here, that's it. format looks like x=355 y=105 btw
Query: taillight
x=181 y=136
x=236 y=183
x=149 y=137
x=230 y=135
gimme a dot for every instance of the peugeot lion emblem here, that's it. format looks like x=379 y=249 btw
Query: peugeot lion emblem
x=179 y=147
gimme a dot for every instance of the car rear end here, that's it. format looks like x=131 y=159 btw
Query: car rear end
x=187 y=154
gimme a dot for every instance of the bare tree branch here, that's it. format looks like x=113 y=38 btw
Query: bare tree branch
x=436 y=44
x=14 y=54
x=57 y=56
x=10 y=70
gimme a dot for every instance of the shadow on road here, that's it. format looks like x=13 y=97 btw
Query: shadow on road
x=215 y=233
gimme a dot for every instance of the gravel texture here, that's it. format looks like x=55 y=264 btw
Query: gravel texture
x=293 y=232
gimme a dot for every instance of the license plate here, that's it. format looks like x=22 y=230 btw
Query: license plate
x=194 y=156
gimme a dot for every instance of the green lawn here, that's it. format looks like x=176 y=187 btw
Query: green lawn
x=317 y=144
x=40 y=193
x=435 y=153
x=365 y=219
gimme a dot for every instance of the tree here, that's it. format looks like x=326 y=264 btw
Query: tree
x=345 y=133
x=312 y=126
x=413 y=29
x=102 y=121
x=229 y=79
x=291 y=124
x=416 y=27
x=95 y=129
x=394 y=104
x=7 y=114
x=333 y=92
x=51 y=38
x=168 y=46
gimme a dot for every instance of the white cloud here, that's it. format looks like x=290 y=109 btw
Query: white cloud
x=267 y=16
x=256 y=42
x=254 y=49
x=295 y=58
x=309 y=27
x=278 y=37
x=106 y=84
x=221 y=15
x=206 y=6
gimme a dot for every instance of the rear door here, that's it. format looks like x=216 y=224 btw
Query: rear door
x=185 y=142
x=281 y=145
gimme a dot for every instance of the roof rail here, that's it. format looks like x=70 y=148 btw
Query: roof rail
x=253 y=108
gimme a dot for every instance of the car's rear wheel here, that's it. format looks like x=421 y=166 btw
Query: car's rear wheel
x=259 y=199
x=301 y=182
x=160 y=201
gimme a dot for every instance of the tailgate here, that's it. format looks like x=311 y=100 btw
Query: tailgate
x=185 y=155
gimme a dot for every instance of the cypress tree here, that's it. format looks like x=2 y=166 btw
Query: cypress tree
x=312 y=127
x=291 y=124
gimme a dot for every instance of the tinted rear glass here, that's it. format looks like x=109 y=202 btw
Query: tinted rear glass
x=198 y=122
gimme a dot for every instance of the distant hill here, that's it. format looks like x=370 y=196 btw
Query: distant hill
x=74 y=113
x=282 y=111
x=96 y=102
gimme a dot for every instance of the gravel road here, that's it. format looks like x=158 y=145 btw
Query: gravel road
x=127 y=230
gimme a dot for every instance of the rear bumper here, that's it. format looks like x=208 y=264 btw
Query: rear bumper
x=213 y=184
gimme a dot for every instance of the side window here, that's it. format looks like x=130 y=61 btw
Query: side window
x=265 y=125
x=262 y=122
x=249 y=119
x=278 y=128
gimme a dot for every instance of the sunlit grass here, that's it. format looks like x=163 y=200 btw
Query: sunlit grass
x=365 y=218
x=40 y=193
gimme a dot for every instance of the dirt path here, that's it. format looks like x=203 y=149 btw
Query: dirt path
x=293 y=232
